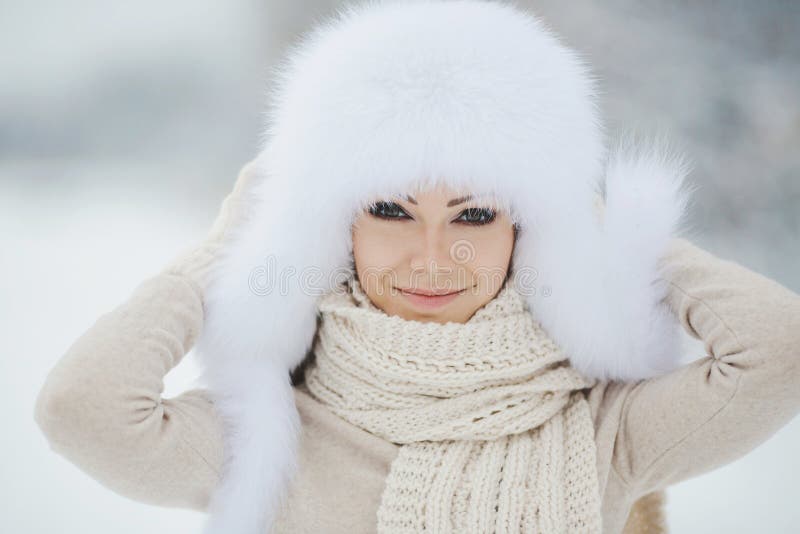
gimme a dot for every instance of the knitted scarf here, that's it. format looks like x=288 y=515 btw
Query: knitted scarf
x=495 y=435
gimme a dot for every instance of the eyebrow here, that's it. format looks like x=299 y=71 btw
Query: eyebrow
x=450 y=203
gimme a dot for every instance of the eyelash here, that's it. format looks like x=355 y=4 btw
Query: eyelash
x=487 y=215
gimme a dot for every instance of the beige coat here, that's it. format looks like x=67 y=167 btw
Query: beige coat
x=101 y=406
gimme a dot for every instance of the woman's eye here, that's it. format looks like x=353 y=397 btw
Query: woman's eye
x=387 y=210
x=477 y=216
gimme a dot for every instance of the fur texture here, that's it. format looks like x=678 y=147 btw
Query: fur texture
x=388 y=95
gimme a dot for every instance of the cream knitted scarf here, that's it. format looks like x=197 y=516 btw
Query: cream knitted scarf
x=495 y=434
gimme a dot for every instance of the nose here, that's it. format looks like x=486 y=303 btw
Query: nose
x=431 y=252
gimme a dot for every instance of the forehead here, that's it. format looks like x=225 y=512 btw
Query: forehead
x=444 y=193
x=438 y=190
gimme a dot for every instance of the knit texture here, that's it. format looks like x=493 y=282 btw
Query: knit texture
x=495 y=434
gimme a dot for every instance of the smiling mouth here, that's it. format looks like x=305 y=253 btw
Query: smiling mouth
x=429 y=299
x=425 y=293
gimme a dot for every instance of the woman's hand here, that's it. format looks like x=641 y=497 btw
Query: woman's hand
x=195 y=262
x=101 y=406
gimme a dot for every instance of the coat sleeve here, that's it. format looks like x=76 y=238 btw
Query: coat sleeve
x=101 y=406
x=714 y=410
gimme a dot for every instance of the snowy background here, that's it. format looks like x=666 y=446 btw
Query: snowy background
x=123 y=125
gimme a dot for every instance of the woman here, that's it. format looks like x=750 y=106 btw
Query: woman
x=416 y=149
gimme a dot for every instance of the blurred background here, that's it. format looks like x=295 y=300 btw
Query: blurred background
x=123 y=126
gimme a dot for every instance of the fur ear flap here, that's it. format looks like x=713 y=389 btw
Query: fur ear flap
x=260 y=318
x=603 y=300
x=262 y=427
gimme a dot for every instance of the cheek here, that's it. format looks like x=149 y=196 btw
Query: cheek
x=492 y=249
x=374 y=247
x=487 y=270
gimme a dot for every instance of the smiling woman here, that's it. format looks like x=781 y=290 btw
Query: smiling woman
x=435 y=257
x=445 y=399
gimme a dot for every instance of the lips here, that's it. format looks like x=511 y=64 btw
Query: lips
x=429 y=299
x=428 y=293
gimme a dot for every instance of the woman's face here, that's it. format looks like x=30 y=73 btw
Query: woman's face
x=439 y=242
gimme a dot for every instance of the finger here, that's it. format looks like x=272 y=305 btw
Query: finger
x=233 y=204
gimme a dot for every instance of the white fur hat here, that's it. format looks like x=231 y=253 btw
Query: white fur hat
x=391 y=94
